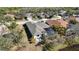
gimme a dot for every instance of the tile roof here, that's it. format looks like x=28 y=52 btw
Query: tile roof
x=58 y=23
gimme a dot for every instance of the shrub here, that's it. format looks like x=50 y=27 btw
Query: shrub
x=73 y=21
x=48 y=47
x=5 y=43
x=12 y=26
x=60 y=30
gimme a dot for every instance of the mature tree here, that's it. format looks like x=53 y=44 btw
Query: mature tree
x=60 y=30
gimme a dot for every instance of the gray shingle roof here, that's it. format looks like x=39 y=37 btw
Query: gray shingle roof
x=42 y=24
x=34 y=29
x=39 y=28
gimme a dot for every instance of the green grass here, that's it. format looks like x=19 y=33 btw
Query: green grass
x=60 y=46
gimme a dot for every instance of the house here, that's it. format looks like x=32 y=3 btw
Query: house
x=62 y=12
x=73 y=29
x=42 y=15
x=55 y=17
x=27 y=15
x=19 y=17
x=60 y=23
x=37 y=30
x=74 y=17
x=33 y=31
x=77 y=18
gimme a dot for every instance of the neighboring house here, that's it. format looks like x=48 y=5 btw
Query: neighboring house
x=65 y=17
x=36 y=30
x=62 y=12
x=73 y=29
x=56 y=17
x=42 y=15
x=60 y=23
x=74 y=17
x=27 y=15
x=77 y=18
x=19 y=17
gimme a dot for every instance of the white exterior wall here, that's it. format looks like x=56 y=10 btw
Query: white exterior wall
x=38 y=39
